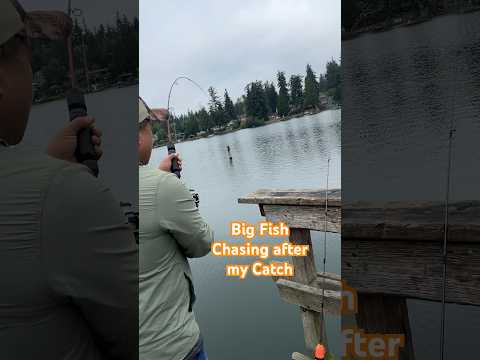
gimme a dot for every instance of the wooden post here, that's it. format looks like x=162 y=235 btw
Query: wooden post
x=305 y=270
x=384 y=314
x=306 y=273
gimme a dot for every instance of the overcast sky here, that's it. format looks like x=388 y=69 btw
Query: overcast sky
x=227 y=44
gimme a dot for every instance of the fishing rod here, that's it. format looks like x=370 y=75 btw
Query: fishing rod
x=451 y=134
x=320 y=350
x=171 y=145
x=85 y=150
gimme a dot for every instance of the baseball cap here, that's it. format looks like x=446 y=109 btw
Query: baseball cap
x=50 y=25
x=145 y=113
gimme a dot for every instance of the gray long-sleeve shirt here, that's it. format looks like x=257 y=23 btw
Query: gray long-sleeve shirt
x=171 y=229
x=68 y=264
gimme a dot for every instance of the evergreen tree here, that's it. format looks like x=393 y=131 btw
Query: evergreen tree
x=311 y=99
x=256 y=104
x=272 y=96
x=322 y=83
x=191 y=126
x=159 y=131
x=230 y=113
x=240 y=106
x=296 y=93
x=283 y=102
x=204 y=121
x=215 y=108
x=333 y=74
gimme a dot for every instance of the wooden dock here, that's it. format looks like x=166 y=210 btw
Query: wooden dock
x=303 y=211
x=391 y=251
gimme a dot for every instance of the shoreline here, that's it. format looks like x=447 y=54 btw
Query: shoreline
x=268 y=122
x=62 y=96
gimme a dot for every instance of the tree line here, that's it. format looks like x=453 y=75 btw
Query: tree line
x=110 y=51
x=360 y=15
x=260 y=102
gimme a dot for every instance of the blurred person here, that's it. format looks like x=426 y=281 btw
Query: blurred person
x=68 y=261
x=171 y=230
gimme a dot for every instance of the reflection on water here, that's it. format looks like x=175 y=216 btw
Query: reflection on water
x=247 y=319
x=403 y=90
x=461 y=323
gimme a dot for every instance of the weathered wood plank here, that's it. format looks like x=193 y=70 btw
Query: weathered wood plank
x=309 y=297
x=412 y=269
x=329 y=282
x=304 y=266
x=411 y=221
x=292 y=197
x=312 y=328
x=421 y=220
x=382 y=314
x=332 y=281
x=329 y=275
x=305 y=216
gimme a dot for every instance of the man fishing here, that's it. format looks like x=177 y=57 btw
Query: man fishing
x=171 y=230
x=68 y=261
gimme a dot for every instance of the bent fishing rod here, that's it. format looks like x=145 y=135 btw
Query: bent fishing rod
x=171 y=144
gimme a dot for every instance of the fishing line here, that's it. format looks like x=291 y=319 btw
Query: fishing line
x=452 y=130
x=169 y=96
x=325 y=254
x=445 y=244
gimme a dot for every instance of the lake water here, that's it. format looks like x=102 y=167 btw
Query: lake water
x=404 y=89
x=246 y=319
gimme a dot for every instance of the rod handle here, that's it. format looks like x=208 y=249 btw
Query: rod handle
x=85 y=151
x=175 y=169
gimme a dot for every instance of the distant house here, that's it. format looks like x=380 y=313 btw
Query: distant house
x=243 y=120
x=99 y=78
x=160 y=113
x=326 y=102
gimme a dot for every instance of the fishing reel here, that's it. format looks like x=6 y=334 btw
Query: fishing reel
x=196 y=197
x=175 y=169
x=131 y=218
